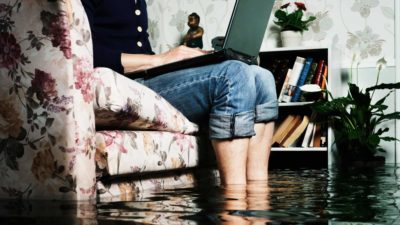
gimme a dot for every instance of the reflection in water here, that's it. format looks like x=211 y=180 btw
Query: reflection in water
x=367 y=196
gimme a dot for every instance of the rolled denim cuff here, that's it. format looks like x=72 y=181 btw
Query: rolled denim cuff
x=232 y=126
x=266 y=112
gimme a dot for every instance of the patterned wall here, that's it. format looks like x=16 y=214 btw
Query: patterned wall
x=361 y=27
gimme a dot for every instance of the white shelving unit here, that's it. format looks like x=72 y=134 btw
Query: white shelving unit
x=299 y=107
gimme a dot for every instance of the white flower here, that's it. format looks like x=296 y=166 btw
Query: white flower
x=320 y=26
x=365 y=43
x=381 y=63
x=364 y=6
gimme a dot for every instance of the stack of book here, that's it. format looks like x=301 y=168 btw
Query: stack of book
x=299 y=131
x=289 y=78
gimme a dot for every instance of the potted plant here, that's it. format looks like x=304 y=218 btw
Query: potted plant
x=292 y=23
x=355 y=121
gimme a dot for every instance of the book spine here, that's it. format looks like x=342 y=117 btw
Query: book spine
x=307 y=135
x=319 y=73
x=309 y=79
x=294 y=77
x=285 y=86
x=302 y=79
x=325 y=77
x=311 y=73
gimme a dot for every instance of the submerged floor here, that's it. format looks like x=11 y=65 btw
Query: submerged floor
x=297 y=196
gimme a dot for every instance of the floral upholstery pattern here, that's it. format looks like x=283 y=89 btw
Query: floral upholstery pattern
x=46 y=116
x=127 y=152
x=61 y=121
x=122 y=103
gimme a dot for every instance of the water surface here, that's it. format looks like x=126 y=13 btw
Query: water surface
x=368 y=195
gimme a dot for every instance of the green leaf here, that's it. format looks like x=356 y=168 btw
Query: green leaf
x=382 y=131
x=384 y=86
x=389 y=138
x=389 y=116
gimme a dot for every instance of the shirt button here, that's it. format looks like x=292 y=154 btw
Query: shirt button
x=139 y=28
x=137 y=12
x=139 y=44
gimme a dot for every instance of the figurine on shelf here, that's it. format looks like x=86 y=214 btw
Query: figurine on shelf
x=194 y=36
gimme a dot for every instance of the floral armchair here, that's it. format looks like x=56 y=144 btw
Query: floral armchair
x=66 y=128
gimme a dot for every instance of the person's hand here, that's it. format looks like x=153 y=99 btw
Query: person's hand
x=179 y=53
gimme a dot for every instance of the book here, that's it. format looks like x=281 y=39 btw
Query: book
x=324 y=77
x=311 y=73
x=294 y=77
x=295 y=133
x=285 y=86
x=324 y=135
x=317 y=136
x=290 y=129
x=302 y=79
x=319 y=72
x=282 y=129
x=307 y=135
x=309 y=79
x=309 y=131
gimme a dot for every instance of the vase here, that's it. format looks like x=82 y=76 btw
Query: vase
x=291 y=38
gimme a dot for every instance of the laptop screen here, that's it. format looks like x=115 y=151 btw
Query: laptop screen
x=247 y=26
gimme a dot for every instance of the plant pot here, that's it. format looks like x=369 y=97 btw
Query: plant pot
x=291 y=38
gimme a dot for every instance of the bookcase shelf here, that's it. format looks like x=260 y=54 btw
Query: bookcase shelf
x=292 y=143
x=289 y=104
x=299 y=149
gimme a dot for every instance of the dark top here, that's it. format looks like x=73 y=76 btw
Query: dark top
x=117 y=27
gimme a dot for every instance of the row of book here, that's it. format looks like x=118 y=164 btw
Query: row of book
x=289 y=78
x=299 y=131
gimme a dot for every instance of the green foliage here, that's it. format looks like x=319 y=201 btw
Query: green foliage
x=293 y=20
x=355 y=119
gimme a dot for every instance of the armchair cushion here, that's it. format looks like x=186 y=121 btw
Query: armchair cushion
x=132 y=152
x=122 y=103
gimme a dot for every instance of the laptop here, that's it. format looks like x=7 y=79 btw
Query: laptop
x=242 y=41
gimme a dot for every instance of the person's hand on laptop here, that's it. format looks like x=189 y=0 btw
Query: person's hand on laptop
x=180 y=53
x=137 y=62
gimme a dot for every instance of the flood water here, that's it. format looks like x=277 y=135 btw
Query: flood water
x=368 y=195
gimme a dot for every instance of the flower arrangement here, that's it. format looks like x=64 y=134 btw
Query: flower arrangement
x=355 y=120
x=293 y=19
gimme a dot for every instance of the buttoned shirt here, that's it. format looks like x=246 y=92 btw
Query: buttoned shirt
x=117 y=27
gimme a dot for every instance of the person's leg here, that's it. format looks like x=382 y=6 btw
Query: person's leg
x=226 y=94
x=231 y=159
x=259 y=151
x=266 y=113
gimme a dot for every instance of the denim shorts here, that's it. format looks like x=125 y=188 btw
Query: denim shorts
x=232 y=96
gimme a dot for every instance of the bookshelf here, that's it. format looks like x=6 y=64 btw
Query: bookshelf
x=300 y=152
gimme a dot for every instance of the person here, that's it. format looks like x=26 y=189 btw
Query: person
x=238 y=100
x=194 y=36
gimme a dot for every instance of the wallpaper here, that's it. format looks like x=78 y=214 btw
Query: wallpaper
x=361 y=28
